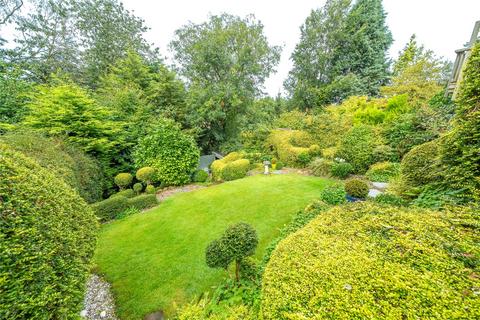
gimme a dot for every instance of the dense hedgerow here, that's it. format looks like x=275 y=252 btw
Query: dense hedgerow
x=78 y=170
x=47 y=239
x=383 y=171
x=230 y=167
x=377 y=262
x=143 y=201
x=109 y=208
x=173 y=154
x=127 y=193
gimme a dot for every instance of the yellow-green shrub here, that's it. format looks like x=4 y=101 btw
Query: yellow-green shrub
x=235 y=170
x=47 y=240
x=367 y=261
x=292 y=146
x=419 y=165
x=383 y=171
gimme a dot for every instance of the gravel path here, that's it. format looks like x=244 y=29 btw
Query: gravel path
x=98 y=302
x=165 y=193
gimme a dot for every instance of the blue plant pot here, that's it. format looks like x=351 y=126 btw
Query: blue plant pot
x=353 y=199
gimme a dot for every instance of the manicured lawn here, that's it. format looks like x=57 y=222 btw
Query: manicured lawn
x=156 y=260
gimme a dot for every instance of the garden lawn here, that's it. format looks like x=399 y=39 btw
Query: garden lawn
x=156 y=260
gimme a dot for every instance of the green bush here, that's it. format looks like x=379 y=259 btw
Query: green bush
x=47 y=240
x=292 y=147
x=200 y=176
x=357 y=188
x=383 y=171
x=280 y=165
x=150 y=189
x=390 y=199
x=341 y=169
x=321 y=167
x=334 y=194
x=357 y=146
x=138 y=187
x=78 y=170
x=143 y=201
x=420 y=165
x=127 y=193
x=145 y=174
x=235 y=170
x=123 y=180
x=384 y=153
x=108 y=209
x=218 y=165
x=173 y=154
x=366 y=261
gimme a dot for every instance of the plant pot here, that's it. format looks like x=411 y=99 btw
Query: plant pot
x=353 y=199
x=274 y=166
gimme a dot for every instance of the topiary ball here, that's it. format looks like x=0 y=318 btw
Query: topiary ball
x=357 y=188
x=150 y=189
x=47 y=240
x=123 y=180
x=145 y=174
x=137 y=187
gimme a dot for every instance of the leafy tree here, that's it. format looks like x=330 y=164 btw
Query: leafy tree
x=66 y=110
x=313 y=55
x=226 y=61
x=418 y=73
x=8 y=8
x=238 y=242
x=459 y=149
x=364 y=44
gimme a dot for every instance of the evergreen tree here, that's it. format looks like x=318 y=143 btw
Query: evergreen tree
x=363 y=48
x=460 y=148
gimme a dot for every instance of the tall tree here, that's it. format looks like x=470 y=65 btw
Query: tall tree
x=363 y=48
x=225 y=61
x=313 y=55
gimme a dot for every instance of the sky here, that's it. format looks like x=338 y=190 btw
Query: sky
x=441 y=25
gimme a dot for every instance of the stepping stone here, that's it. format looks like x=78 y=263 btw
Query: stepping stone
x=374 y=192
x=380 y=185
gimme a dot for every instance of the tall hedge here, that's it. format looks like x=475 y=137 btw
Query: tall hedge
x=47 y=239
x=460 y=148
x=365 y=261
x=173 y=154
x=78 y=170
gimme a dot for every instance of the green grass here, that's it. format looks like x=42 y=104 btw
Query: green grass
x=156 y=260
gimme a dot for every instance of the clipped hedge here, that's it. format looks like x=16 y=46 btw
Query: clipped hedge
x=143 y=201
x=127 y=193
x=367 y=261
x=235 y=170
x=47 y=240
x=383 y=171
x=73 y=166
x=108 y=209
x=293 y=147
x=230 y=167
x=420 y=165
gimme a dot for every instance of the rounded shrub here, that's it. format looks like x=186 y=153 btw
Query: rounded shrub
x=419 y=165
x=235 y=170
x=127 y=193
x=150 y=189
x=200 y=176
x=357 y=188
x=383 y=171
x=73 y=166
x=108 y=209
x=320 y=167
x=357 y=146
x=47 y=240
x=143 y=201
x=173 y=154
x=367 y=261
x=334 y=194
x=145 y=174
x=123 y=180
x=280 y=165
x=137 y=187
x=383 y=153
x=341 y=169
